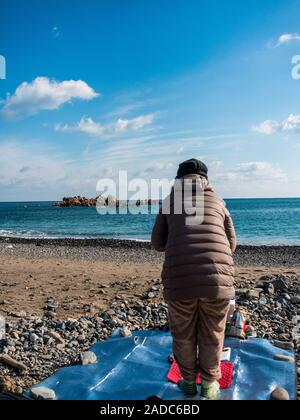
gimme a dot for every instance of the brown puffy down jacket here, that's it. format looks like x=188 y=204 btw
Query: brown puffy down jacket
x=198 y=258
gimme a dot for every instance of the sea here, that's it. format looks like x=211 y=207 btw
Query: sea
x=257 y=221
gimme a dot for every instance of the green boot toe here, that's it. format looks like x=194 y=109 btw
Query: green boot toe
x=189 y=388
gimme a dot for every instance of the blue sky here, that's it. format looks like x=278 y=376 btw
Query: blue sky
x=96 y=86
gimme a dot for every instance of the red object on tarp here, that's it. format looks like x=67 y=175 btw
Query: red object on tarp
x=225 y=382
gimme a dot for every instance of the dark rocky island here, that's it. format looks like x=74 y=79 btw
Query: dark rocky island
x=109 y=201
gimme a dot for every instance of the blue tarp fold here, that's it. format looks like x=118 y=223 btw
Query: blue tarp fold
x=136 y=368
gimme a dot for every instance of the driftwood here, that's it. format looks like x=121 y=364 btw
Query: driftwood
x=7 y=360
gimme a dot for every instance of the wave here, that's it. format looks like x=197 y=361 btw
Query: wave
x=27 y=234
x=32 y=234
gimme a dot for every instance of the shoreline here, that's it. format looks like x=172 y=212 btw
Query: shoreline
x=138 y=251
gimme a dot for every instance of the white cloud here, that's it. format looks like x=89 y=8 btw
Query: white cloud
x=45 y=94
x=29 y=164
x=253 y=179
x=290 y=125
x=267 y=127
x=286 y=39
x=94 y=129
x=159 y=167
x=258 y=170
x=33 y=170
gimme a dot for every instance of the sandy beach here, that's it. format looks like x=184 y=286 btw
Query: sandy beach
x=83 y=290
x=73 y=273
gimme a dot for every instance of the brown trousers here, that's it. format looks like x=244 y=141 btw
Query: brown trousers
x=198 y=323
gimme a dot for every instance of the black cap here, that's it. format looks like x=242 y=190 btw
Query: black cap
x=191 y=167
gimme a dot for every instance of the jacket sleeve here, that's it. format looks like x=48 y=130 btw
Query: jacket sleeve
x=230 y=231
x=160 y=233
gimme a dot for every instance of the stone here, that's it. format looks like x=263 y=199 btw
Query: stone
x=7 y=385
x=269 y=288
x=43 y=393
x=46 y=357
x=262 y=301
x=33 y=338
x=151 y=295
x=125 y=333
x=51 y=307
x=253 y=293
x=279 y=284
x=280 y=394
x=280 y=330
x=295 y=300
x=56 y=337
x=241 y=292
x=21 y=314
x=4 y=302
x=88 y=358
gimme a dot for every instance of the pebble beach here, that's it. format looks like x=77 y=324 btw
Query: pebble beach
x=59 y=297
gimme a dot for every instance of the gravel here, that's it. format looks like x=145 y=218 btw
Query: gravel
x=45 y=345
x=138 y=251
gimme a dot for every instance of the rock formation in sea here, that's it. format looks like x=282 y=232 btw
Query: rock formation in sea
x=109 y=201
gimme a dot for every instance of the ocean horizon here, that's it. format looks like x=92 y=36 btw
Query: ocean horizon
x=258 y=221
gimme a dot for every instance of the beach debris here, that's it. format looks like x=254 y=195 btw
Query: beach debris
x=237 y=325
x=7 y=360
x=251 y=332
x=43 y=393
x=88 y=358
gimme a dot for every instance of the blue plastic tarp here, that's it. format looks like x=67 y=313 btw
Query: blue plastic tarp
x=136 y=368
